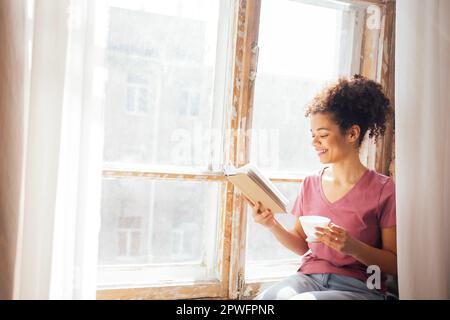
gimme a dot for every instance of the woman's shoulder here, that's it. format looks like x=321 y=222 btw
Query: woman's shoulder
x=380 y=178
x=382 y=182
x=313 y=177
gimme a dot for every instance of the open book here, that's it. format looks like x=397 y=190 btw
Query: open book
x=250 y=181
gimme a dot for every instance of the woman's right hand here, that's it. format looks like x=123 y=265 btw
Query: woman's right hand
x=262 y=216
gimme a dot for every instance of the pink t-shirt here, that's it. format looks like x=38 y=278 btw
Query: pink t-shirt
x=363 y=211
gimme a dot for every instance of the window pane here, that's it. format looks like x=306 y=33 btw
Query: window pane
x=150 y=222
x=302 y=47
x=161 y=61
x=130 y=99
x=143 y=100
x=261 y=244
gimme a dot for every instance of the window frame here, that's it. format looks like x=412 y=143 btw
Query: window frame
x=238 y=119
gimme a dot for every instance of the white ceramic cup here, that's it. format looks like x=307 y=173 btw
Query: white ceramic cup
x=309 y=223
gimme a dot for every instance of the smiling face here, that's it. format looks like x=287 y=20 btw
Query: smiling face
x=327 y=139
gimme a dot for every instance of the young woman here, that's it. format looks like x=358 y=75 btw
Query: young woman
x=359 y=202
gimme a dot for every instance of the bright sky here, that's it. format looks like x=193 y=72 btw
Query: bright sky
x=298 y=39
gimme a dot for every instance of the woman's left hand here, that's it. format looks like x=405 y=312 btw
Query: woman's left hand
x=337 y=238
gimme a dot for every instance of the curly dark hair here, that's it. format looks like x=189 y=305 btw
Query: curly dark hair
x=354 y=101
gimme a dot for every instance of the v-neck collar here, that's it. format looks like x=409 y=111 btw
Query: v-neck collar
x=322 y=193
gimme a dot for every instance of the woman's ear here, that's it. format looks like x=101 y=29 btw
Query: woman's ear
x=353 y=133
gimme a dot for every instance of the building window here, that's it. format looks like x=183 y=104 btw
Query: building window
x=138 y=96
x=130 y=234
x=191 y=103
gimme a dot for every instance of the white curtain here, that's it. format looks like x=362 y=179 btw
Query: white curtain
x=423 y=148
x=58 y=236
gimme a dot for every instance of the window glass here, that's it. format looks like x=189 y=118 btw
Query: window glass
x=147 y=223
x=161 y=61
x=261 y=244
x=302 y=48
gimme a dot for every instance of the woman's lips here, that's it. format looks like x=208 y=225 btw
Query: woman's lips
x=321 y=152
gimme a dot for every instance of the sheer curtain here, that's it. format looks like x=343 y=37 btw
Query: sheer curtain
x=423 y=148
x=58 y=235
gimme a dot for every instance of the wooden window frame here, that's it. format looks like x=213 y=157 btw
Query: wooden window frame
x=238 y=117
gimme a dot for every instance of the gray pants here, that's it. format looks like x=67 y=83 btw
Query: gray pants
x=320 y=287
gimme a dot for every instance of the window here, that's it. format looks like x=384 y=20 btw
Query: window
x=167 y=64
x=189 y=103
x=137 y=96
x=129 y=236
x=218 y=82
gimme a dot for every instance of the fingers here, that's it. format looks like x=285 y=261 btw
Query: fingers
x=329 y=232
x=333 y=236
x=257 y=208
x=262 y=216
x=264 y=219
x=328 y=240
x=336 y=228
x=266 y=213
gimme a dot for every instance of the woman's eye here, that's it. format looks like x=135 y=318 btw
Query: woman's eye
x=324 y=136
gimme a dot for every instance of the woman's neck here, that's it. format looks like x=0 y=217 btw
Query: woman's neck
x=347 y=171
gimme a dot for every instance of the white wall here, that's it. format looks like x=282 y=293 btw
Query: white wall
x=12 y=115
x=422 y=129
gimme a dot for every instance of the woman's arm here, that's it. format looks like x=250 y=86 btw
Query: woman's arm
x=293 y=240
x=385 y=258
